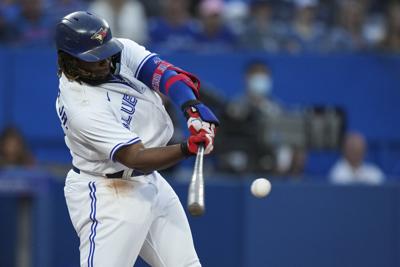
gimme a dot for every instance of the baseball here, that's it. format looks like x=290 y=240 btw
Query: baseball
x=260 y=187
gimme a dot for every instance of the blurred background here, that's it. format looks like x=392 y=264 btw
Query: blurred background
x=307 y=92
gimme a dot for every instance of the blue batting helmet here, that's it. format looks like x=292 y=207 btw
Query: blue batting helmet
x=86 y=36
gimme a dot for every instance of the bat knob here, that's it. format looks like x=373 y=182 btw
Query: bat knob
x=196 y=209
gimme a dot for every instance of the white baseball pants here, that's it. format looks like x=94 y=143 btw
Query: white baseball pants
x=117 y=220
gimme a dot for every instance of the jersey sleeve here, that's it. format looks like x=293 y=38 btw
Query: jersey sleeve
x=101 y=133
x=134 y=55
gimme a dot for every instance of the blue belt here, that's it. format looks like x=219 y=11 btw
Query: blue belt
x=117 y=174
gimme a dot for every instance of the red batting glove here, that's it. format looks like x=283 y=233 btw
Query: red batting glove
x=191 y=146
x=202 y=132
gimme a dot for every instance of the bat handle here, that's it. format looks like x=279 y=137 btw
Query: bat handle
x=200 y=150
x=196 y=188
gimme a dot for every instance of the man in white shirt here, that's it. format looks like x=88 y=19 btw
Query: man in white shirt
x=352 y=168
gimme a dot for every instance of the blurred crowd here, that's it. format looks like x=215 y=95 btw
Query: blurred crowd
x=289 y=26
x=216 y=25
x=262 y=135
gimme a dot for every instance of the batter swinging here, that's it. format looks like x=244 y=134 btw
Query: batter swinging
x=117 y=129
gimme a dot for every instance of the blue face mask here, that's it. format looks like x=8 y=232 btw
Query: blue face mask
x=260 y=84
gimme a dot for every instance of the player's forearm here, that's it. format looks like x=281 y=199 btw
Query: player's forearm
x=150 y=159
x=158 y=158
x=179 y=85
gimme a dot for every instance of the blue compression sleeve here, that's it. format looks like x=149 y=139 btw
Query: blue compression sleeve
x=179 y=92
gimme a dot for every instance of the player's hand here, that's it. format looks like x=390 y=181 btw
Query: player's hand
x=203 y=137
x=196 y=125
x=199 y=116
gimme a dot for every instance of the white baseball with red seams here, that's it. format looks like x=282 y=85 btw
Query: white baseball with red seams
x=260 y=187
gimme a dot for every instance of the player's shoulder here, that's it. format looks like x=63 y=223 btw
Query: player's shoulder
x=372 y=169
x=133 y=53
x=71 y=91
x=130 y=45
x=338 y=168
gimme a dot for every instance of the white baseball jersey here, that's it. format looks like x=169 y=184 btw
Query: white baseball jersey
x=98 y=120
x=119 y=219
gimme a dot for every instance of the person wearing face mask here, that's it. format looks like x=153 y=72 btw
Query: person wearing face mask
x=259 y=87
x=243 y=149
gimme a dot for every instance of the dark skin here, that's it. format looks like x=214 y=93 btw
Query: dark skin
x=101 y=68
x=136 y=156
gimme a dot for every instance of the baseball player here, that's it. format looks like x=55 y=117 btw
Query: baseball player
x=117 y=129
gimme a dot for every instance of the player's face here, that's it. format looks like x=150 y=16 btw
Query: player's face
x=98 y=69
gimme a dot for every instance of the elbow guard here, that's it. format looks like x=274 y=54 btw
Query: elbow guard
x=186 y=77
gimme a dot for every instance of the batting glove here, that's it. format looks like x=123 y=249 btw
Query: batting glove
x=199 y=116
x=205 y=138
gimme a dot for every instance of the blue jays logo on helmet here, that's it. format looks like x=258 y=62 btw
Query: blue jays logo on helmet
x=100 y=35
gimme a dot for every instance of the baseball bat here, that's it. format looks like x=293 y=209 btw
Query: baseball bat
x=196 y=188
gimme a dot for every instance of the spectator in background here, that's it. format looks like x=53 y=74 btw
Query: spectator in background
x=127 y=18
x=306 y=33
x=352 y=168
x=258 y=94
x=176 y=30
x=235 y=14
x=261 y=32
x=214 y=35
x=391 y=43
x=258 y=134
x=13 y=149
x=347 y=33
x=34 y=25
x=242 y=149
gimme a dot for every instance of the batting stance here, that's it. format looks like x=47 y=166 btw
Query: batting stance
x=117 y=129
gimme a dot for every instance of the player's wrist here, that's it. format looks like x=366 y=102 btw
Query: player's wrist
x=185 y=107
x=195 y=108
x=185 y=149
